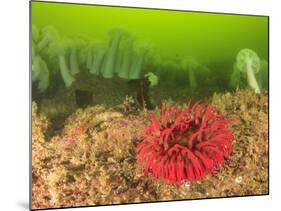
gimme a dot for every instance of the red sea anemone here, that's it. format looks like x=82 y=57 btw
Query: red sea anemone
x=185 y=144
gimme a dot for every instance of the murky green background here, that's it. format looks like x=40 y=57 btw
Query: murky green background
x=214 y=39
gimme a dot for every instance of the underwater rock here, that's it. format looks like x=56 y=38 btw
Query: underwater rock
x=59 y=106
x=83 y=98
x=40 y=124
x=141 y=88
x=40 y=154
x=250 y=156
x=129 y=105
x=93 y=148
x=92 y=160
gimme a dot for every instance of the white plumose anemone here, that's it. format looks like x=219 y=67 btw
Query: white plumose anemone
x=248 y=61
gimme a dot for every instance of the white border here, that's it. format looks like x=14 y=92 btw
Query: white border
x=14 y=112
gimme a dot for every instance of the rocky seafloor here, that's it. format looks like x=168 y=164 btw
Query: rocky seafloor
x=91 y=159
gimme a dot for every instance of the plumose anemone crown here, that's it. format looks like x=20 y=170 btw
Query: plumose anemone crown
x=249 y=62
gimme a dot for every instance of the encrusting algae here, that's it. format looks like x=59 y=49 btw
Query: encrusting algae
x=93 y=160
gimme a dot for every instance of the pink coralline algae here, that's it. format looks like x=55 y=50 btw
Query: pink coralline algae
x=185 y=144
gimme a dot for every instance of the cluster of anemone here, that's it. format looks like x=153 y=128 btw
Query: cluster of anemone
x=185 y=144
x=41 y=39
x=125 y=57
x=197 y=72
x=250 y=71
x=182 y=70
x=121 y=56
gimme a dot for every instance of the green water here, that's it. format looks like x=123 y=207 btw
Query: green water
x=210 y=37
x=213 y=39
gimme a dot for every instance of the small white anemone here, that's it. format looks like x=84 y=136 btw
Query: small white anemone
x=99 y=50
x=152 y=78
x=249 y=62
x=136 y=67
x=60 y=50
x=78 y=43
x=35 y=33
x=126 y=59
x=262 y=76
x=191 y=64
x=49 y=34
x=40 y=73
x=111 y=55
